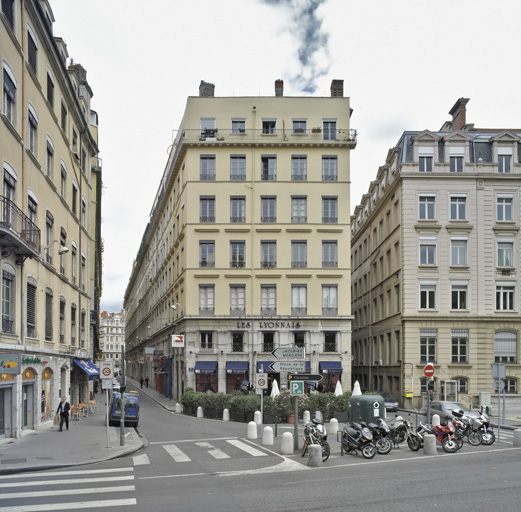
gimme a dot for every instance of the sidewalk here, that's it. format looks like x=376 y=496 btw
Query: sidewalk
x=84 y=443
x=162 y=400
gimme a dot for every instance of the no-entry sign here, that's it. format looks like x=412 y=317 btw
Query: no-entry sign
x=107 y=370
x=428 y=370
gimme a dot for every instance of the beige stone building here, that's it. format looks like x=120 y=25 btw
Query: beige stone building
x=112 y=337
x=247 y=248
x=436 y=265
x=49 y=221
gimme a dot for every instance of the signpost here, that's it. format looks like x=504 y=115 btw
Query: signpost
x=289 y=353
x=261 y=383
x=305 y=377
x=296 y=389
x=107 y=373
x=428 y=371
x=288 y=366
x=499 y=375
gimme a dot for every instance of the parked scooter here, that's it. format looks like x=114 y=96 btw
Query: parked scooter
x=356 y=438
x=315 y=433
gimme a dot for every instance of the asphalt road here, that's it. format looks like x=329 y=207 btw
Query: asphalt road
x=194 y=465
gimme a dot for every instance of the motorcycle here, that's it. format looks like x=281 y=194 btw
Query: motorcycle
x=401 y=430
x=487 y=434
x=315 y=433
x=381 y=436
x=356 y=438
x=467 y=427
x=445 y=435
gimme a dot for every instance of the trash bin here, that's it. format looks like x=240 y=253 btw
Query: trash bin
x=367 y=408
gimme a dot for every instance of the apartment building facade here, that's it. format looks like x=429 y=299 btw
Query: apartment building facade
x=49 y=221
x=112 y=337
x=436 y=264
x=247 y=245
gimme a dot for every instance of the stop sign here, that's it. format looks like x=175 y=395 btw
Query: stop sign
x=428 y=370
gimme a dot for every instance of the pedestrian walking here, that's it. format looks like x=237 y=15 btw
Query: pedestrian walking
x=141 y=382
x=146 y=382
x=63 y=411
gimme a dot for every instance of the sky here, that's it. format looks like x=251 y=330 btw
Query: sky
x=404 y=64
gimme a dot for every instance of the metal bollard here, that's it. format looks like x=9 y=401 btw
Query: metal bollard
x=332 y=428
x=286 y=444
x=257 y=417
x=200 y=412
x=226 y=415
x=517 y=437
x=252 y=430
x=267 y=436
x=429 y=444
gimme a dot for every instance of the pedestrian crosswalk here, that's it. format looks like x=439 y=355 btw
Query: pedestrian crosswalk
x=67 y=490
x=195 y=450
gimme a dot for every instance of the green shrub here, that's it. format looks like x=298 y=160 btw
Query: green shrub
x=246 y=404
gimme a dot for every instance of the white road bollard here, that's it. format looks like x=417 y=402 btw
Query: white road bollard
x=257 y=418
x=429 y=444
x=517 y=437
x=226 y=415
x=252 y=430
x=200 y=412
x=332 y=428
x=318 y=416
x=306 y=417
x=267 y=436
x=178 y=408
x=286 y=443
x=314 y=455
x=435 y=420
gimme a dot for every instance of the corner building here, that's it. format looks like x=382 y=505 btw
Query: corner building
x=50 y=245
x=247 y=248
x=436 y=264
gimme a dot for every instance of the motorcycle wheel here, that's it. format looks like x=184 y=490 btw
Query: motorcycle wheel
x=488 y=437
x=326 y=450
x=368 y=451
x=384 y=446
x=414 y=443
x=399 y=435
x=474 y=438
x=450 y=445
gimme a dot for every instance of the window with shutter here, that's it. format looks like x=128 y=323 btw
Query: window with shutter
x=48 y=315
x=31 y=310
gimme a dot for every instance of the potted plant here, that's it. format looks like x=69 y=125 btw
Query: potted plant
x=317 y=129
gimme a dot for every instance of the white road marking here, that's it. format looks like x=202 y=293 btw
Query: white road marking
x=214 y=452
x=192 y=440
x=67 y=481
x=70 y=506
x=141 y=460
x=176 y=453
x=246 y=448
x=66 y=473
x=66 y=492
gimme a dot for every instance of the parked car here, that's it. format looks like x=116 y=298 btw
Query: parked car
x=391 y=403
x=131 y=404
x=115 y=385
x=444 y=408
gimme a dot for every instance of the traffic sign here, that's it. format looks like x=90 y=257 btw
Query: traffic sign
x=499 y=385
x=261 y=380
x=305 y=377
x=178 y=340
x=428 y=370
x=106 y=370
x=294 y=353
x=296 y=388
x=498 y=370
x=288 y=366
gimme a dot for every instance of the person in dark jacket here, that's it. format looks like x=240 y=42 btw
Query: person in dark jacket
x=63 y=411
x=146 y=382
x=141 y=381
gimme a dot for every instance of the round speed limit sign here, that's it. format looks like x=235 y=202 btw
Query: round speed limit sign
x=106 y=372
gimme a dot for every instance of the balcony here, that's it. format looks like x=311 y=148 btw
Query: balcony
x=268 y=264
x=7 y=325
x=18 y=233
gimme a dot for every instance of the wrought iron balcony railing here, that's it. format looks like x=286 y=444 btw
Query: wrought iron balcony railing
x=17 y=231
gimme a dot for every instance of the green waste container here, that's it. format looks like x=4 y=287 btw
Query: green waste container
x=367 y=408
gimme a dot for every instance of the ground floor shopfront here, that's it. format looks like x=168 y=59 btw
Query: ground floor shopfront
x=223 y=354
x=30 y=397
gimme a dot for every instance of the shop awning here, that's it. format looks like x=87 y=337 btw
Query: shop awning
x=330 y=367
x=87 y=366
x=206 y=367
x=237 y=366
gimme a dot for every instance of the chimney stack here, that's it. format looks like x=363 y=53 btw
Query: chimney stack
x=279 y=87
x=337 y=88
x=206 y=89
x=458 y=113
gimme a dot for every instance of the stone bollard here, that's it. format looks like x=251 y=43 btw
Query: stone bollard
x=286 y=444
x=199 y=412
x=318 y=416
x=226 y=415
x=267 y=436
x=517 y=437
x=178 y=408
x=429 y=444
x=252 y=430
x=435 y=420
x=257 y=418
x=306 y=417
x=332 y=428
x=314 y=455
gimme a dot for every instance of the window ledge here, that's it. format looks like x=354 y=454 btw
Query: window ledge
x=459 y=267
x=459 y=365
x=11 y=128
x=33 y=158
x=430 y=224
x=505 y=226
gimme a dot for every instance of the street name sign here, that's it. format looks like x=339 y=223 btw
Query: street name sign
x=428 y=370
x=294 y=353
x=106 y=370
x=305 y=377
x=288 y=366
x=296 y=388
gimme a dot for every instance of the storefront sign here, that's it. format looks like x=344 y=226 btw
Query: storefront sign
x=9 y=363
x=270 y=324
x=33 y=360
